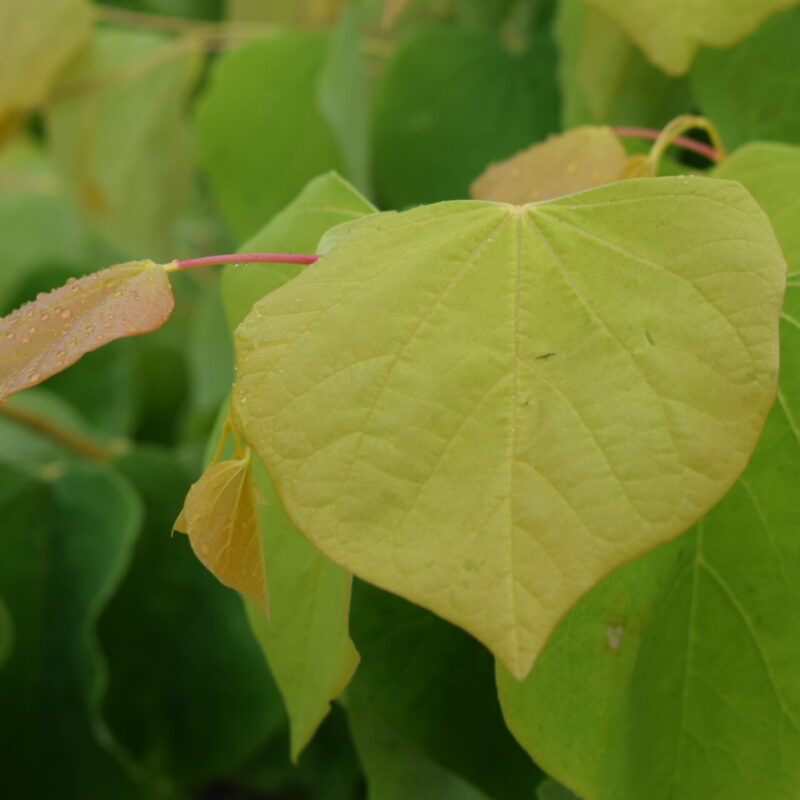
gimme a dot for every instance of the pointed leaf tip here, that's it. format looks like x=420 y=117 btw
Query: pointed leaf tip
x=220 y=518
x=52 y=332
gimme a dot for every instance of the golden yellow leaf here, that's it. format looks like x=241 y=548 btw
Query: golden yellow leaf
x=220 y=518
x=53 y=331
x=571 y=162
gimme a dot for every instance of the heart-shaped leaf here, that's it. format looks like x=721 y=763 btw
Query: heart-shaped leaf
x=49 y=334
x=517 y=398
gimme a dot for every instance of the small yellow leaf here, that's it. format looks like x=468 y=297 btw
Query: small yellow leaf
x=219 y=516
x=580 y=159
x=51 y=333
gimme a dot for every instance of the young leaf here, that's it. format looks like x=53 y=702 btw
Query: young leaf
x=751 y=90
x=48 y=334
x=680 y=669
x=603 y=77
x=220 y=519
x=39 y=38
x=506 y=387
x=670 y=40
x=570 y=162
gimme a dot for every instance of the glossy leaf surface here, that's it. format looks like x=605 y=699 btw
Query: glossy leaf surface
x=53 y=331
x=670 y=40
x=515 y=385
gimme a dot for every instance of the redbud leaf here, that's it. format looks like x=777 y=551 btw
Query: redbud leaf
x=579 y=159
x=220 y=518
x=53 y=331
x=517 y=399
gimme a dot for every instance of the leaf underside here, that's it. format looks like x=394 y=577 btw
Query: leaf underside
x=506 y=387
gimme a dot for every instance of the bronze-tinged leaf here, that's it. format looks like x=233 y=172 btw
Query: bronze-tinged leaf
x=219 y=516
x=571 y=162
x=53 y=331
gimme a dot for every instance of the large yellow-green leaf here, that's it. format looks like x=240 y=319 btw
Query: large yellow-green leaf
x=306 y=640
x=670 y=34
x=486 y=408
x=39 y=38
x=771 y=173
x=680 y=669
x=120 y=138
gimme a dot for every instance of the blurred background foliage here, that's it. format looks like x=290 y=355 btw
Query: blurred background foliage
x=178 y=128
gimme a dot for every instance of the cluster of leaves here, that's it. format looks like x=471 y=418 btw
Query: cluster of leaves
x=543 y=422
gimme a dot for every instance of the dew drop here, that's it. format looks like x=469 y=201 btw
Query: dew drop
x=44 y=316
x=61 y=354
x=204 y=549
x=26 y=339
x=106 y=325
x=66 y=314
x=35 y=376
x=73 y=342
x=32 y=329
x=88 y=329
x=10 y=335
x=118 y=294
x=99 y=337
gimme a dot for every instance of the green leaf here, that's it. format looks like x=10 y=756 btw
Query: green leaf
x=64 y=545
x=261 y=132
x=6 y=633
x=504 y=386
x=309 y=595
x=670 y=40
x=603 y=77
x=432 y=687
x=189 y=696
x=119 y=137
x=306 y=639
x=394 y=768
x=451 y=101
x=342 y=97
x=326 y=201
x=39 y=38
x=552 y=790
x=771 y=173
x=749 y=90
x=679 y=670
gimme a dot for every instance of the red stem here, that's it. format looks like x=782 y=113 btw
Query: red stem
x=689 y=144
x=247 y=258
